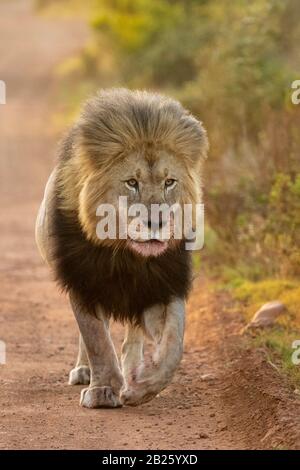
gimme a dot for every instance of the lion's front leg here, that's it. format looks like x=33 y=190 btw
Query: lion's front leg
x=166 y=328
x=105 y=376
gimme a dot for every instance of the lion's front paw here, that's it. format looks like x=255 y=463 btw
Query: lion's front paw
x=140 y=391
x=79 y=376
x=136 y=396
x=144 y=388
x=99 y=397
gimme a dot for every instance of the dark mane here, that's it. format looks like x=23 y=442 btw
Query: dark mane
x=124 y=284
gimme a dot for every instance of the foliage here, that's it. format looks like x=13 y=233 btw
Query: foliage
x=277 y=340
x=232 y=64
x=263 y=231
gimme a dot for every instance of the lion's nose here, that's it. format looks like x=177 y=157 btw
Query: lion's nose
x=156 y=223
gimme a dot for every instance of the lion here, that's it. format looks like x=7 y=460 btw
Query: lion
x=148 y=148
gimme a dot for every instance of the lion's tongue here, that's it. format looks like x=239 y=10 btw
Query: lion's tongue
x=149 y=248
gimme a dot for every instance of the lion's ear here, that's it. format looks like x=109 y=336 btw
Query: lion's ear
x=93 y=154
x=199 y=144
x=203 y=143
x=191 y=139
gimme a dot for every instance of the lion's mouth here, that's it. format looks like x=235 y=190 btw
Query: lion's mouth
x=151 y=247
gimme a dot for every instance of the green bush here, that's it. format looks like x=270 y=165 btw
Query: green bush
x=232 y=64
x=260 y=233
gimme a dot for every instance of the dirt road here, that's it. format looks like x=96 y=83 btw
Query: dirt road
x=224 y=395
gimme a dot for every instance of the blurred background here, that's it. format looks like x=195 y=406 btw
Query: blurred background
x=232 y=64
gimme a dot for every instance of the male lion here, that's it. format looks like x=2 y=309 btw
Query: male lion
x=146 y=147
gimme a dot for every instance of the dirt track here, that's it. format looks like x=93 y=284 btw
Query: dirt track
x=223 y=396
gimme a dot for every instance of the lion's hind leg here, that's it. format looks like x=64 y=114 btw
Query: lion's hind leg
x=80 y=375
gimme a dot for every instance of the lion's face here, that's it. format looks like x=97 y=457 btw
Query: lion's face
x=137 y=146
x=144 y=177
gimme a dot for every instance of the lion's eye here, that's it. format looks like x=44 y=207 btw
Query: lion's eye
x=132 y=184
x=170 y=183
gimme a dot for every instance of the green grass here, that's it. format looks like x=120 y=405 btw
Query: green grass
x=277 y=341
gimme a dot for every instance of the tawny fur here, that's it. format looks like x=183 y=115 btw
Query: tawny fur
x=117 y=124
x=122 y=134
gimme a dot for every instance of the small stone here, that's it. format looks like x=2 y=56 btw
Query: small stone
x=203 y=435
x=223 y=428
x=267 y=315
x=208 y=377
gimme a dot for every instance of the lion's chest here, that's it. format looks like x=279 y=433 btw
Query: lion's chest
x=123 y=284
